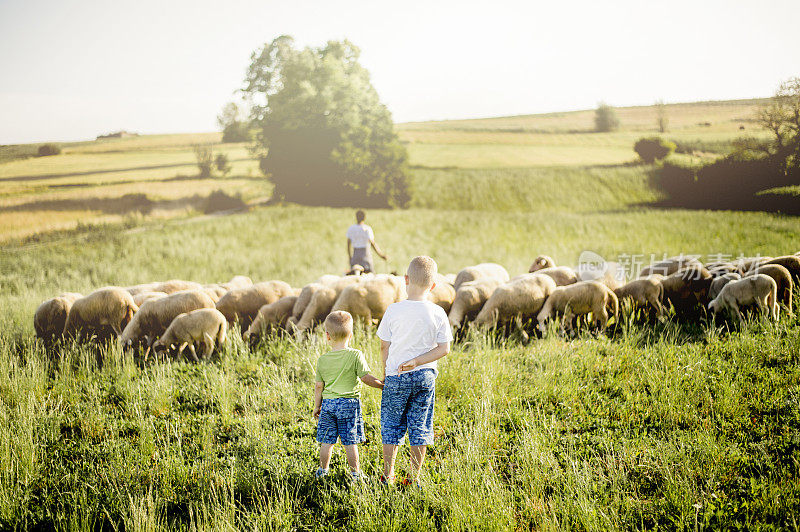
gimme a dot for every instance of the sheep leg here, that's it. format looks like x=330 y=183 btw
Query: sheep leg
x=656 y=304
x=149 y=344
x=738 y=313
x=762 y=307
x=193 y=352
x=566 y=321
x=208 y=345
x=601 y=319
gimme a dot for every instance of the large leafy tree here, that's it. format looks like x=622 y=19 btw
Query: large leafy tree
x=322 y=133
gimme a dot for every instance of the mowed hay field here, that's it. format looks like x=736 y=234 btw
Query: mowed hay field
x=110 y=180
x=689 y=425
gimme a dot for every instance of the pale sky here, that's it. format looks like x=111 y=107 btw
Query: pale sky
x=72 y=70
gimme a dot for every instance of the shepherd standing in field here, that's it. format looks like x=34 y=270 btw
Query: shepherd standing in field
x=359 y=239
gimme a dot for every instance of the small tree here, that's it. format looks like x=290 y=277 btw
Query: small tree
x=222 y=164
x=234 y=128
x=205 y=159
x=605 y=118
x=662 y=120
x=781 y=116
x=653 y=149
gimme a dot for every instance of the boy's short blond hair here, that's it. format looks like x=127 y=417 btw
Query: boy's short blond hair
x=339 y=325
x=421 y=271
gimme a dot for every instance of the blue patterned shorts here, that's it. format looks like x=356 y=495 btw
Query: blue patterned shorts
x=407 y=404
x=340 y=418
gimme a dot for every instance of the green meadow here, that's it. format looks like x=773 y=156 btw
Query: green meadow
x=676 y=425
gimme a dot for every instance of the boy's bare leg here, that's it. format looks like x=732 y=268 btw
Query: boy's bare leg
x=325 y=450
x=417 y=458
x=389 y=456
x=352 y=457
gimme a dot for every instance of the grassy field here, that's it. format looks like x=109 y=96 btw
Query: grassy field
x=681 y=425
x=676 y=426
x=40 y=194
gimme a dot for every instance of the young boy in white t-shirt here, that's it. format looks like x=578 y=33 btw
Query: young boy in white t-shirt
x=414 y=334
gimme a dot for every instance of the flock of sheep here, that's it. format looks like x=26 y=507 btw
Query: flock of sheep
x=176 y=315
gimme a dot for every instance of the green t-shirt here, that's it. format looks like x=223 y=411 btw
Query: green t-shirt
x=340 y=371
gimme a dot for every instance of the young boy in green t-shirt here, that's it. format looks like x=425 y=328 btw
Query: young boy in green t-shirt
x=337 y=394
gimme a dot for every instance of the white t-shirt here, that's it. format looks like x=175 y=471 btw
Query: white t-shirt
x=360 y=235
x=413 y=328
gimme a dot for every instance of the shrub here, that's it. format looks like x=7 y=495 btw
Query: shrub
x=732 y=182
x=222 y=164
x=220 y=201
x=653 y=149
x=49 y=149
x=605 y=118
x=205 y=159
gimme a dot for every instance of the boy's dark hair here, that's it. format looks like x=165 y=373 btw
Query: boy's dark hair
x=360 y=216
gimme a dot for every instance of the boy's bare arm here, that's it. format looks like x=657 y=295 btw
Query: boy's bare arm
x=434 y=354
x=384 y=355
x=371 y=380
x=318 y=387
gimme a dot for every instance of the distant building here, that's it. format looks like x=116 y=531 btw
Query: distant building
x=117 y=135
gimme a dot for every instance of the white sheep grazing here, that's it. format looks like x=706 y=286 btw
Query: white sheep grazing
x=141 y=288
x=316 y=299
x=271 y=317
x=541 y=262
x=110 y=306
x=783 y=278
x=328 y=278
x=370 y=299
x=442 y=293
x=215 y=291
x=239 y=281
x=206 y=326
x=481 y=271
x=141 y=297
x=747 y=264
x=718 y=269
x=156 y=315
x=51 y=315
x=470 y=299
x=790 y=262
x=242 y=304
x=319 y=306
x=719 y=283
x=562 y=275
x=669 y=266
x=759 y=290
x=302 y=301
x=176 y=285
x=612 y=274
x=522 y=297
x=647 y=292
x=578 y=300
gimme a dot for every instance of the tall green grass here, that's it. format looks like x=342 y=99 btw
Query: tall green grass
x=590 y=434
x=576 y=190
